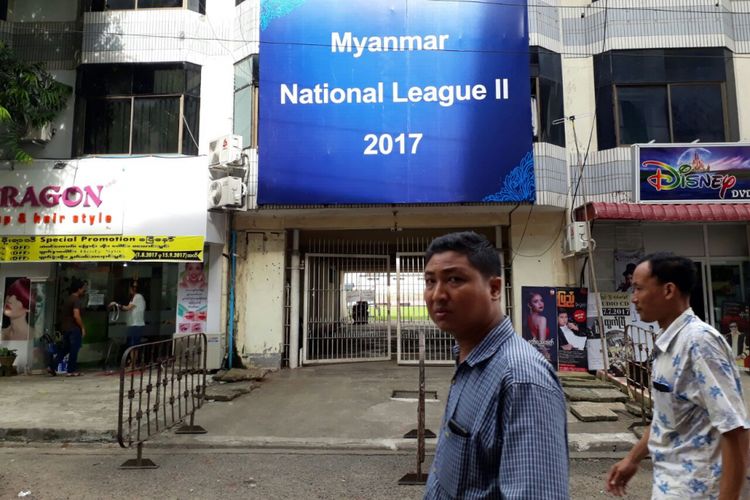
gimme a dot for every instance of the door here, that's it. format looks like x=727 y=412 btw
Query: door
x=41 y=321
x=728 y=299
x=346 y=308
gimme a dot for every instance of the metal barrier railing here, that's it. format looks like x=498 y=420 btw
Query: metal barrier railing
x=162 y=384
x=638 y=373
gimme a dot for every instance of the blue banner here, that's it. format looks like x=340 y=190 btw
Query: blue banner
x=400 y=101
x=693 y=173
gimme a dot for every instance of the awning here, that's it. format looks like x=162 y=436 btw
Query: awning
x=665 y=213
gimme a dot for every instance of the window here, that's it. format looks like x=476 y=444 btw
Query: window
x=138 y=109
x=670 y=113
x=546 y=96
x=665 y=95
x=101 y=5
x=246 y=101
x=3 y=10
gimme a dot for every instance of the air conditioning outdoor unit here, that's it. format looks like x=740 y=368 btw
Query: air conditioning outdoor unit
x=39 y=135
x=576 y=238
x=226 y=192
x=226 y=150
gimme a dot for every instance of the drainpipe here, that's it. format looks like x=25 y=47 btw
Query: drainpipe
x=232 y=274
x=294 y=304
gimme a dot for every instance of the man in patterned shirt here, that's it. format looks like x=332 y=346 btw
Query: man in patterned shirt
x=699 y=436
x=504 y=431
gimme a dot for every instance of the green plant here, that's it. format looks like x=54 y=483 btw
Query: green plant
x=4 y=351
x=29 y=98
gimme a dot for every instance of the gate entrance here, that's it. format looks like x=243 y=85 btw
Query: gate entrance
x=347 y=308
x=363 y=300
x=412 y=315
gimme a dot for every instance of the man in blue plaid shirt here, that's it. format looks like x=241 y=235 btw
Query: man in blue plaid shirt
x=504 y=433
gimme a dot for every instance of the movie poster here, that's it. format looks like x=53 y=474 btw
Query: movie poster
x=735 y=327
x=539 y=320
x=572 y=329
x=615 y=316
x=16 y=331
x=192 y=298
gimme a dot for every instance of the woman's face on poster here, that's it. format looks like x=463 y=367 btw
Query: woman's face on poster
x=536 y=304
x=14 y=308
x=194 y=271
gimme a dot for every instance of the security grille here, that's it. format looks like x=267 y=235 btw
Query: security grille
x=346 y=308
x=412 y=315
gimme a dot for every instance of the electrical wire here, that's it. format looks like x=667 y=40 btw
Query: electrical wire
x=327 y=46
x=593 y=120
x=549 y=247
x=523 y=234
x=584 y=7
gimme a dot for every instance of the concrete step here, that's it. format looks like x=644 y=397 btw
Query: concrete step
x=586 y=383
x=229 y=391
x=594 y=395
x=592 y=412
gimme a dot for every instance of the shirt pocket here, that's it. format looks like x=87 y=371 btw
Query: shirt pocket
x=663 y=395
x=452 y=461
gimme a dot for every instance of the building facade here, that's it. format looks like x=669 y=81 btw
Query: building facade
x=332 y=282
x=117 y=193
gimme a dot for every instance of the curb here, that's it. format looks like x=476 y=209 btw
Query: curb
x=608 y=443
x=57 y=435
x=613 y=442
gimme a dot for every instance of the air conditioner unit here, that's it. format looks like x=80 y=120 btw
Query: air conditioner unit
x=576 y=238
x=226 y=150
x=39 y=135
x=226 y=192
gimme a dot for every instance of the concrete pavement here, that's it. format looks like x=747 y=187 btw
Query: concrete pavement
x=90 y=472
x=344 y=406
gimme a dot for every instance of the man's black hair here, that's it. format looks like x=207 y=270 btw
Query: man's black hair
x=76 y=284
x=477 y=249
x=667 y=267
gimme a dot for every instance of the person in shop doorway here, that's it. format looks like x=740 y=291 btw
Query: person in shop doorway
x=72 y=328
x=698 y=440
x=505 y=412
x=136 y=308
x=627 y=278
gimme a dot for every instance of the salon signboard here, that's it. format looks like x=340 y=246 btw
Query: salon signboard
x=138 y=196
x=690 y=173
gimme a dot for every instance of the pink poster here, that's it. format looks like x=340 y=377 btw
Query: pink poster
x=192 y=298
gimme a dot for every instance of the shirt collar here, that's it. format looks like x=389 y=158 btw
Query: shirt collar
x=489 y=344
x=667 y=336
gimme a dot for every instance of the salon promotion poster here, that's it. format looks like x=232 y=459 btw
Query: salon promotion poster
x=571 y=329
x=192 y=297
x=539 y=323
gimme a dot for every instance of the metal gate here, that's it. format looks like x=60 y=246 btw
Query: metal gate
x=412 y=315
x=346 y=308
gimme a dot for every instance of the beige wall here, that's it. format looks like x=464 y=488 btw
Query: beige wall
x=741 y=77
x=537 y=256
x=260 y=297
x=578 y=98
x=376 y=218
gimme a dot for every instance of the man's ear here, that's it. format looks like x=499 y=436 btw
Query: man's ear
x=670 y=289
x=496 y=287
